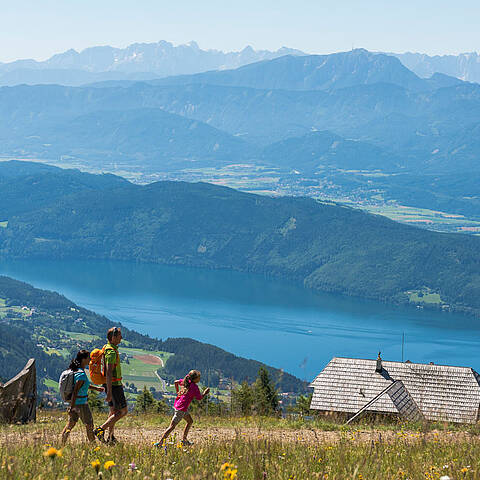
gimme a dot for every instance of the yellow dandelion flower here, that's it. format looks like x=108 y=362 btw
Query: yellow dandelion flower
x=464 y=470
x=96 y=449
x=96 y=465
x=109 y=465
x=52 y=452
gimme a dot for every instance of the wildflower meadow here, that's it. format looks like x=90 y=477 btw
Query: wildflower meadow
x=239 y=452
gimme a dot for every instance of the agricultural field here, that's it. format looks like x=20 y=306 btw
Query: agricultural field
x=82 y=337
x=141 y=366
x=16 y=310
x=424 y=296
x=434 y=220
x=62 y=352
x=51 y=383
x=252 y=448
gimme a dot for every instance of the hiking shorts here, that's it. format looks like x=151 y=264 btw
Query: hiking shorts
x=118 y=401
x=83 y=412
x=179 y=415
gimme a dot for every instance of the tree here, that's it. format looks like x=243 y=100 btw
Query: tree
x=95 y=403
x=145 y=401
x=302 y=406
x=243 y=399
x=162 y=406
x=266 y=395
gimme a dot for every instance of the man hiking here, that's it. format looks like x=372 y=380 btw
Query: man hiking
x=113 y=386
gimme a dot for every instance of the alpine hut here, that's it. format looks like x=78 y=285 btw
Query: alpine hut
x=412 y=390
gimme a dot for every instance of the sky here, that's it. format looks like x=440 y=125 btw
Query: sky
x=39 y=28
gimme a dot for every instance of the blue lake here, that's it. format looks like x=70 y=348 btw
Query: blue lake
x=273 y=321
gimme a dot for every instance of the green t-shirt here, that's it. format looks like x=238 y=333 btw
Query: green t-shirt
x=112 y=357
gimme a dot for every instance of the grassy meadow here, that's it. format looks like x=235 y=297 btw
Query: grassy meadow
x=243 y=448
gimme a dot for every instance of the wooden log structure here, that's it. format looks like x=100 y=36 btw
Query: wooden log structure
x=18 y=397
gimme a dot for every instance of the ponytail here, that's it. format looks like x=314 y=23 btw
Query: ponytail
x=76 y=363
x=188 y=380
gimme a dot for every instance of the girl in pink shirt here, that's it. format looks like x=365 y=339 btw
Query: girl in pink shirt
x=187 y=389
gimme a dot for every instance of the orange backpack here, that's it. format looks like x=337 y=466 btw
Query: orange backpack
x=97 y=368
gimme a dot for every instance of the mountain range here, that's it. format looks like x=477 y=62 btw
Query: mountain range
x=323 y=246
x=465 y=66
x=146 y=61
x=215 y=118
x=298 y=114
x=138 y=61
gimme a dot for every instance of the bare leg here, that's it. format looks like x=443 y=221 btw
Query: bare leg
x=111 y=429
x=68 y=427
x=188 y=418
x=115 y=416
x=90 y=435
x=167 y=432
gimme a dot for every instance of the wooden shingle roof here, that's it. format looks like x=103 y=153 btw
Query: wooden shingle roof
x=441 y=392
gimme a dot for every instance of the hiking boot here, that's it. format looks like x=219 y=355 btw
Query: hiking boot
x=186 y=443
x=112 y=440
x=99 y=432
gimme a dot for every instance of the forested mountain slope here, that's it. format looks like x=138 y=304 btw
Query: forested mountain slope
x=324 y=246
x=316 y=150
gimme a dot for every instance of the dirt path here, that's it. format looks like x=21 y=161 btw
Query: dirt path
x=146 y=436
x=162 y=381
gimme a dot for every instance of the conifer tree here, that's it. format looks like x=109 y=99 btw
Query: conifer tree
x=302 y=406
x=145 y=401
x=266 y=395
x=243 y=399
x=95 y=403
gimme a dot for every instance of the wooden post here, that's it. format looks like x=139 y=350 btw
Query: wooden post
x=18 y=397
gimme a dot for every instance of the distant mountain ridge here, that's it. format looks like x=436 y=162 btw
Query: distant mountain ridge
x=311 y=72
x=465 y=66
x=147 y=61
x=139 y=61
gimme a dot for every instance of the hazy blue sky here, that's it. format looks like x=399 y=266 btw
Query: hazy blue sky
x=39 y=28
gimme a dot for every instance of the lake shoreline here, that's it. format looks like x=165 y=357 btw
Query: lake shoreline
x=253 y=316
x=272 y=277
